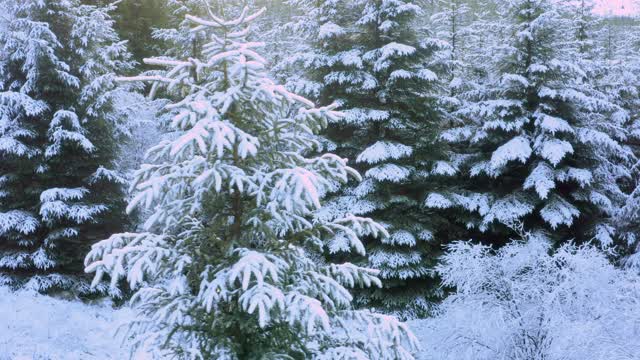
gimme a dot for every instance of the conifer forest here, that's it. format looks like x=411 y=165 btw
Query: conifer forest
x=320 y=179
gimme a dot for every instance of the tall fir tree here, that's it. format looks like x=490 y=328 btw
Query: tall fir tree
x=231 y=266
x=58 y=129
x=583 y=27
x=622 y=83
x=608 y=58
x=452 y=21
x=367 y=57
x=541 y=144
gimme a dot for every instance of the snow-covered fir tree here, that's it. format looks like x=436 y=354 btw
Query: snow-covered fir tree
x=175 y=39
x=451 y=22
x=58 y=129
x=273 y=29
x=583 y=26
x=232 y=265
x=471 y=30
x=609 y=59
x=368 y=58
x=541 y=143
x=621 y=82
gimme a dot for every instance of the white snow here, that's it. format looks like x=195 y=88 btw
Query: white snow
x=559 y=212
x=383 y=150
x=39 y=327
x=555 y=150
x=517 y=148
x=329 y=30
x=542 y=179
x=521 y=302
x=389 y=172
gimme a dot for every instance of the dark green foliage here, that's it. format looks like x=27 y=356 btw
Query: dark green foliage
x=58 y=113
x=540 y=144
x=368 y=58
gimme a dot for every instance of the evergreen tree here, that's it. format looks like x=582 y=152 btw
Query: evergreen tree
x=470 y=28
x=621 y=82
x=368 y=58
x=58 y=129
x=231 y=266
x=452 y=23
x=583 y=26
x=541 y=143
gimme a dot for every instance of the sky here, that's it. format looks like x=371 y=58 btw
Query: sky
x=617 y=7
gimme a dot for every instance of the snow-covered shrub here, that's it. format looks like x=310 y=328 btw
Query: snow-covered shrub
x=528 y=302
x=231 y=265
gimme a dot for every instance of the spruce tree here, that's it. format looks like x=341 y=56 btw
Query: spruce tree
x=621 y=82
x=583 y=25
x=58 y=129
x=452 y=22
x=541 y=144
x=610 y=63
x=231 y=265
x=368 y=58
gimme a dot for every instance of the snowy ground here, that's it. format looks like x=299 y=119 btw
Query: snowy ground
x=418 y=328
x=34 y=327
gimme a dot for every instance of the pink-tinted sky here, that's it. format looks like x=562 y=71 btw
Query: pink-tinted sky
x=618 y=7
